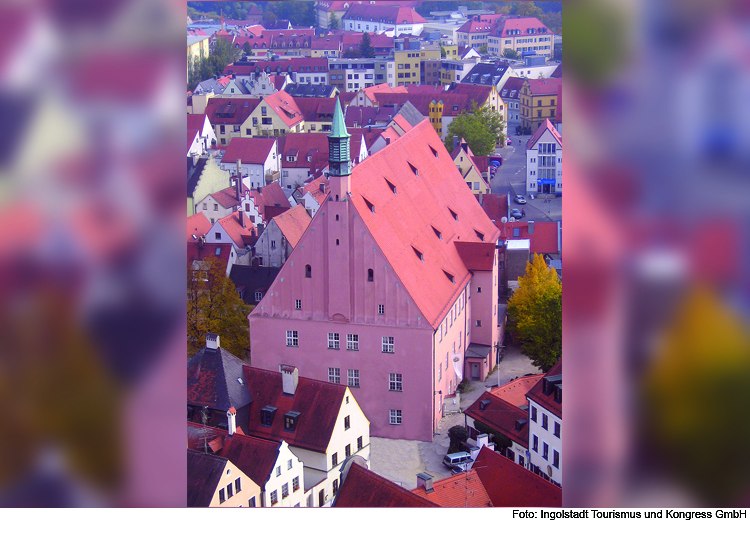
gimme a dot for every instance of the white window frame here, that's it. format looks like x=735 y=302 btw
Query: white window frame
x=334 y=341
x=381 y=309
x=352 y=342
x=352 y=377
x=395 y=417
x=395 y=382
x=334 y=375
x=298 y=305
x=292 y=338
x=258 y=296
x=389 y=345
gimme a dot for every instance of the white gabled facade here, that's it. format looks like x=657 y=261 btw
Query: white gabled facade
x=544 y=166
x=272 y=247
x=288 y=473
x=545 y=440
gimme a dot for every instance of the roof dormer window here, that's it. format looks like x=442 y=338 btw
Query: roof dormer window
x=266 y=415
x=290 y=421
x=418 y=253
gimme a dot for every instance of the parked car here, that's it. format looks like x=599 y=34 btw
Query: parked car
x=457 y=460
x=515 y=213
x=507 y=141
x=521 y=200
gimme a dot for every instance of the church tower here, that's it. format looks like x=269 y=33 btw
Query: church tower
x=339 y=161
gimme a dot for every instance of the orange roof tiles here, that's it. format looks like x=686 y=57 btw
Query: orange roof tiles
x=430 y=190
x=283 y=104
x=547 y=400
x=293 y=223
x=197 y=225
x=458 y=491
x=240 y=235
x=502 y=416
x=363 y=488
x=515 y=392
x=543 y=127
x=249 y=150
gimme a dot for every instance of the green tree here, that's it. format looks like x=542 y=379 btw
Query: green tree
x=510 y=54
x=535 y=312
x=526 y=9
x=443 y=53
x=247 y=49
x=365 y=47
x=482 y=128
x=457 y=435
x=483 y=50
x=214 y=306
x=333 y=24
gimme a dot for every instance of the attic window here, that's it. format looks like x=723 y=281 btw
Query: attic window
x=415 y=170
x=437 y=233
x=418 y=253
x=290 y=421
x=450 y=277
x=369 y=205
x=455 y=216
x=370 y=275
x=308 y=271
x=391 y=186
x=483 y=405
x=479 y=235
x=266 y=415
x=434 y=152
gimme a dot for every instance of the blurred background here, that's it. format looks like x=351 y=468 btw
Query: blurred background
x=92 y=307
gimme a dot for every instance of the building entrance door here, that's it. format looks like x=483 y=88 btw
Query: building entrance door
x=475 y=371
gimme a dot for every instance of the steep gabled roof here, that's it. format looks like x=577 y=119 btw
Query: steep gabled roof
x=252 y=279
x=544 y=86
x=270 y=201
x=544 y=239
x=227 y=197
x=458 y=491
x=285 y=106
x=192 y=135
x=196 y=121
x=512 y=88
x=241 y=235
x=544 y=126
x=293 y=223
x=486 y=74
x=221 y=251
x=317 y=402
x=522 y=25
x=364 y=489
x=502 y=416
x=430 y=192
x=204 y=472
x=316 y=108
x=249 y=150
x=212 y=380
x=496 y=207
x=197 y=225
x=391 y=14
x=515 y=392
x=548 y=400
x=510 y=485
x=230 y=110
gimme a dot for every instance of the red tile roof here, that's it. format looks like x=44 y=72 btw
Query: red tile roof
x=370 y=134
x=227 y=197
x=477 y=256
x=523 y=25
x=512 y=88
x=406 y=221
x=197 y=225
x=496 y=207
x=293 y=223
x=241 y=236
x=544 y=126
x=480 y=24
x=296 y=64
x=476 y=93
x=515 y=392
x=192 y=134
x=333 y=5
x=502 y=416
x=204 y=471
x=270 y=201
x=458 y=491
x=391 y=14
x=286 y=107
x=544 y=86
x=249 y=150
x=317 y=402
x=196 y=121
x=230 y=111
x=316 y=108
x=197 y=253
x=544 y=239
x=547 y=401
x=364 y=489
x=510 y=485
x=313 y=187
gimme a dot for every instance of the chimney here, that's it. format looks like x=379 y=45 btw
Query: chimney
x=289 y=379
x=212 y=341
x=239 y=177
x=482 y=440
x=531 y=227
x=231 y=421
x=261 y=227
x=241 y=216
x=425 y=480
x=323 y=187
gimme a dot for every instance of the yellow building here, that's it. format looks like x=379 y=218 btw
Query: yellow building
x=429 y=68
x=407 y=67
x=197 y=47
x=539 y=101
x=463 y=158
x=276 y=115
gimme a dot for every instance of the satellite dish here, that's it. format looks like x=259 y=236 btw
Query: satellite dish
x=512 y=218
x=549 y=471
x=504 y=219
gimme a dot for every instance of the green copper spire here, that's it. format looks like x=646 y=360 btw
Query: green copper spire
x=338 y=128
x=339 y=164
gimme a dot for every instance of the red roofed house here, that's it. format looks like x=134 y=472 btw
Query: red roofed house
x=380 y=18
x=276 y=115
x=301 y=70
x=280 y=237
x=539 y=101
x=271 y=201
x=258 y=159
x=544 y=237
x=221 y=204
x=464 y=160
x=312 y=194
x=391 y=263
x=361 y=488
x=229 y=116
x=206 y=132
x=215 y=481
x=197 y=225
x=475 y=31
x=326 y=9
x=506 y=422
x=510 y=485
x=198 y=250
x=525 y=35
x=464 y=490
x=544 y=160
x=545 y=425
x=237 y=229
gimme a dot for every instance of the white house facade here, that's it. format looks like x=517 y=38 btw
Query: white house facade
x=544 y=161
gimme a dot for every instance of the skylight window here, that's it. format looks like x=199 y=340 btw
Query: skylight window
x=479 y=235
x=434 y=152
x=418 y=253
x=455 y=216
x=391 y=186
x=437 y=233
x=414 y=169
x=450 y=277
x=369 y=205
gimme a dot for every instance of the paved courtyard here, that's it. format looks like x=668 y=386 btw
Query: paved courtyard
x=400 y=460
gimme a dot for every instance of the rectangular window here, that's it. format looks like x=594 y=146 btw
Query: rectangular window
x=298 y=304
x=395 y=382
x=557 y=429
x=334 y=375
x=333 y=341
x=359 y=443
x=533 y=414
x=284 y=491
x=295 y=483
x=251 y=502
x=556 y=459
x=237 y=485
x=347 y=422
x=348 y=451
x=273 y=244
x=353 y=377
x=292 y=339
x=545 y=451
x=352 y=342
x=274 y=498
x=222 y=496
x=381 y=309
x=278 y=471
x=289 y=464
x=535 y=444
x=334 y=459
x=440 y=373
x=388 y=345
x=335 y=486
x=395 y=416
x=545 y=422
x=479 y=323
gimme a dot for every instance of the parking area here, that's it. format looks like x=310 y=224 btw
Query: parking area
x=400 y=460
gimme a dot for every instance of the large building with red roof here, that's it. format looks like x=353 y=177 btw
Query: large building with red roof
x=258 y=159
x=544 y=160
x=382 y=292
x=539 y=101
x=362 y=488
x=383 y=17
x=525 y=35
